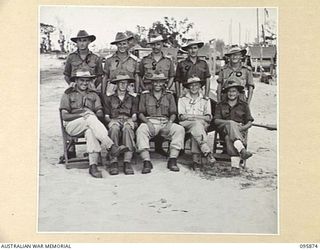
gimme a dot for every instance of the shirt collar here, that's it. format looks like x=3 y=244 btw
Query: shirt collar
x=116 y=55
x=198 y=98
x=189 y=59
x=151 y=56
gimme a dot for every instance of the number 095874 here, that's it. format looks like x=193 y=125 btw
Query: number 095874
x=308 y=246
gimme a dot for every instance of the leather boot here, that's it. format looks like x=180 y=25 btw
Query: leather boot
x=172 y=165
x=94 y=171
x=114 y=169
x=147 y=166
x=244 y=154
x=128 y=170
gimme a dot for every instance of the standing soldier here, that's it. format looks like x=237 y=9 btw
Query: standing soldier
x=156 y=61
x=120 y=111
x=83 y=58
x=235 y=69
x=120 y=61
x=191 y=66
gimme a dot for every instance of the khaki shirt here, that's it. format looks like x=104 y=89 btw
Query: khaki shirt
x=199 y=106
x=74 y=102
x=186 y=68
x=243 y=73
x=114 y=65
x=239 y=112
x=115 y=107
x=150 y=106
x=92 y=62
x=149 y=65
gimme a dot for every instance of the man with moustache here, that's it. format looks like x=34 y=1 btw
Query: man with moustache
x=120 y=61
x=192 y=65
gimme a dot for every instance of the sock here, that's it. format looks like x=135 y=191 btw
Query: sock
x=238 y=145
x=235 y=161
x=145 y=156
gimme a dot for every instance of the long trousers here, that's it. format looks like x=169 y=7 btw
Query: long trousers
x=95 y=132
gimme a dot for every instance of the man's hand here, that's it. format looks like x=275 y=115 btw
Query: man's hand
x=166 y=129
x=152 y=129
x=87 y=113
x=107 y=118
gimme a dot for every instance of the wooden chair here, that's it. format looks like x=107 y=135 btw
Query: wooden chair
x=71 y=141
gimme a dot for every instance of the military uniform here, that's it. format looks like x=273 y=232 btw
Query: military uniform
x=186 y=69
x=158 y=113
x=92 y=62
x=149 y=65
x=114 y=65
x=243 y=74
x=120 y=112
x=240 y=113
x=74 y=102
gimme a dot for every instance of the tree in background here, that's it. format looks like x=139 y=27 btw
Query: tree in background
x=46 y=30
x=174 y=31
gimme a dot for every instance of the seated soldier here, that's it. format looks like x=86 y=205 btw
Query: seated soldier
x=81 y=107
x=120 y=111
x=233 y=119
x=195 y=116
x=157 y=111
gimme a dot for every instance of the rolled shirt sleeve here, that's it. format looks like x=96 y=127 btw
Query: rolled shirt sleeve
x=106 y=105
x=248 y=114
x=217 y=113
x=135 y=105
x=181 y=107
x=207 y=71
x=250 y=79
x=67 y=68
x=97 y=103
x=178 y=73
x=171 y=72
x=207 y=109
x=65 y=103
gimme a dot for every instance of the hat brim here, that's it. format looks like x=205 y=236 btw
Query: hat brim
x=115 y=81
x=75 y=39
x=200 y=45
x=155 y=41
x=120 y=40
x=157 y=79
x=243 y=52
x=187 y=85
x=75 y=77
x=239 y=87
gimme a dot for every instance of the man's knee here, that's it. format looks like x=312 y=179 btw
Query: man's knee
x=127 y=128
x=143 y=129
x=115 y=128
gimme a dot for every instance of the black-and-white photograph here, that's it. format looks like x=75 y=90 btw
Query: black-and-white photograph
x=158 y=119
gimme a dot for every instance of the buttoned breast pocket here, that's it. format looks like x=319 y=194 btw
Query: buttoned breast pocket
x=75 y=65
x=89 y=102
x=240 y=114
x=75 y=103
x=225 y=113
x=130 y=67
x=165 y=107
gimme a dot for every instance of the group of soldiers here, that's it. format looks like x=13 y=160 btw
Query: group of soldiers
x=123 y=103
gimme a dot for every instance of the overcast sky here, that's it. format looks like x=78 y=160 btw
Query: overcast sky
x=105 y=22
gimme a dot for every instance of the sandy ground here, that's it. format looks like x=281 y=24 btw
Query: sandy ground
x=163 y=201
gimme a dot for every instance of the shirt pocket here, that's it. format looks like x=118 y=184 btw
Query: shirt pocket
x=130 y=68
x=240 y=115
x=165 y=107
x=225 y=113
x=75 y=102
x=90 y=102
x=151 y=109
